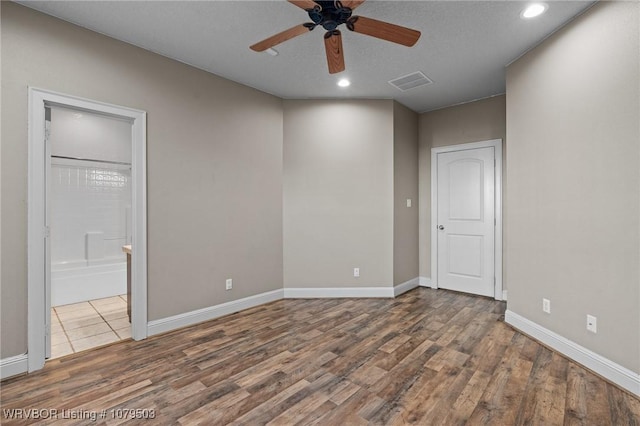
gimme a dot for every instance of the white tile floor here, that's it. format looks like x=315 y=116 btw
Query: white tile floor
x=85 y=325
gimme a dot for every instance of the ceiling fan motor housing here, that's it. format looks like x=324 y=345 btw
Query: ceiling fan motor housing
x=330 y=14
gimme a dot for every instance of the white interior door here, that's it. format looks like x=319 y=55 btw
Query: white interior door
x=47 y=234
x=466 y=221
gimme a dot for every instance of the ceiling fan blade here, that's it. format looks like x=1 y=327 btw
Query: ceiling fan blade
x=285 y=35
x=384 y=30
x=305 y=4
x=352 y=4
x=333 y=47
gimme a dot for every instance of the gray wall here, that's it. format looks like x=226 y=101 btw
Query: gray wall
x=405 y=185
x=471 y=122
x=573 y=114
x=214 y=166
x=338 y=193
x=90 y=136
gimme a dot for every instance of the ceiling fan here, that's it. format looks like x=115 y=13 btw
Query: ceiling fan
x=330 y=14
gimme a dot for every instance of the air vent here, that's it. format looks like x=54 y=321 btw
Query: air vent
x=411 y=81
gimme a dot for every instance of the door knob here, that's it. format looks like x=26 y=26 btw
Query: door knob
x=441 y=227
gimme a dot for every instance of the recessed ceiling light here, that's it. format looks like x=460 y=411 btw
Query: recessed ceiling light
x=533 y=10
x=344 y=83
x=271 y=51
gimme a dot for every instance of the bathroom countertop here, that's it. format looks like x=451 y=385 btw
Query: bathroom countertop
x=126 y=249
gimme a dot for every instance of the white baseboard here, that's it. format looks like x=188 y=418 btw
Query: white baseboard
x=608 y=369
x=194 y=317
x=425 y=282
x=337 y=292
x=406 y=286
x=13 y=366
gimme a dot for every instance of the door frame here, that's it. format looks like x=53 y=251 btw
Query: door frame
x=497 y=145
x=37 y=231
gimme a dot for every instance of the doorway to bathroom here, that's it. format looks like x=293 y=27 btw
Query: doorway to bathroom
x=89 y=199
x=86 y=227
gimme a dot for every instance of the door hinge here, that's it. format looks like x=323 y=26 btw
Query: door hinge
x=47 y=232
x=47 y=130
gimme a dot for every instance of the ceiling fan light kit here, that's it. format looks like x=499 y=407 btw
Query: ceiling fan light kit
x=330 y=14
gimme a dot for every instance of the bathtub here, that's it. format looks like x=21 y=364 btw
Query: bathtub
x=73 y=282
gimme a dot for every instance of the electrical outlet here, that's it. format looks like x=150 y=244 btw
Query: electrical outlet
x=408 y=202
x=546 y=305
x=356 y=272
x=229 y=284
x=592 y=323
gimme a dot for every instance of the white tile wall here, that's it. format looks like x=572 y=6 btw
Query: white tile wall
x=88 y=197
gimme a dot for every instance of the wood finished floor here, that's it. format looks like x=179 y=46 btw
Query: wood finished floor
x=428 y=357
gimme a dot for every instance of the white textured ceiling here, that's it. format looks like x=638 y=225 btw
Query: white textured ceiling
x=464 y=45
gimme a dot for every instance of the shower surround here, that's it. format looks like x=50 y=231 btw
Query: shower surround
x=90 y=213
